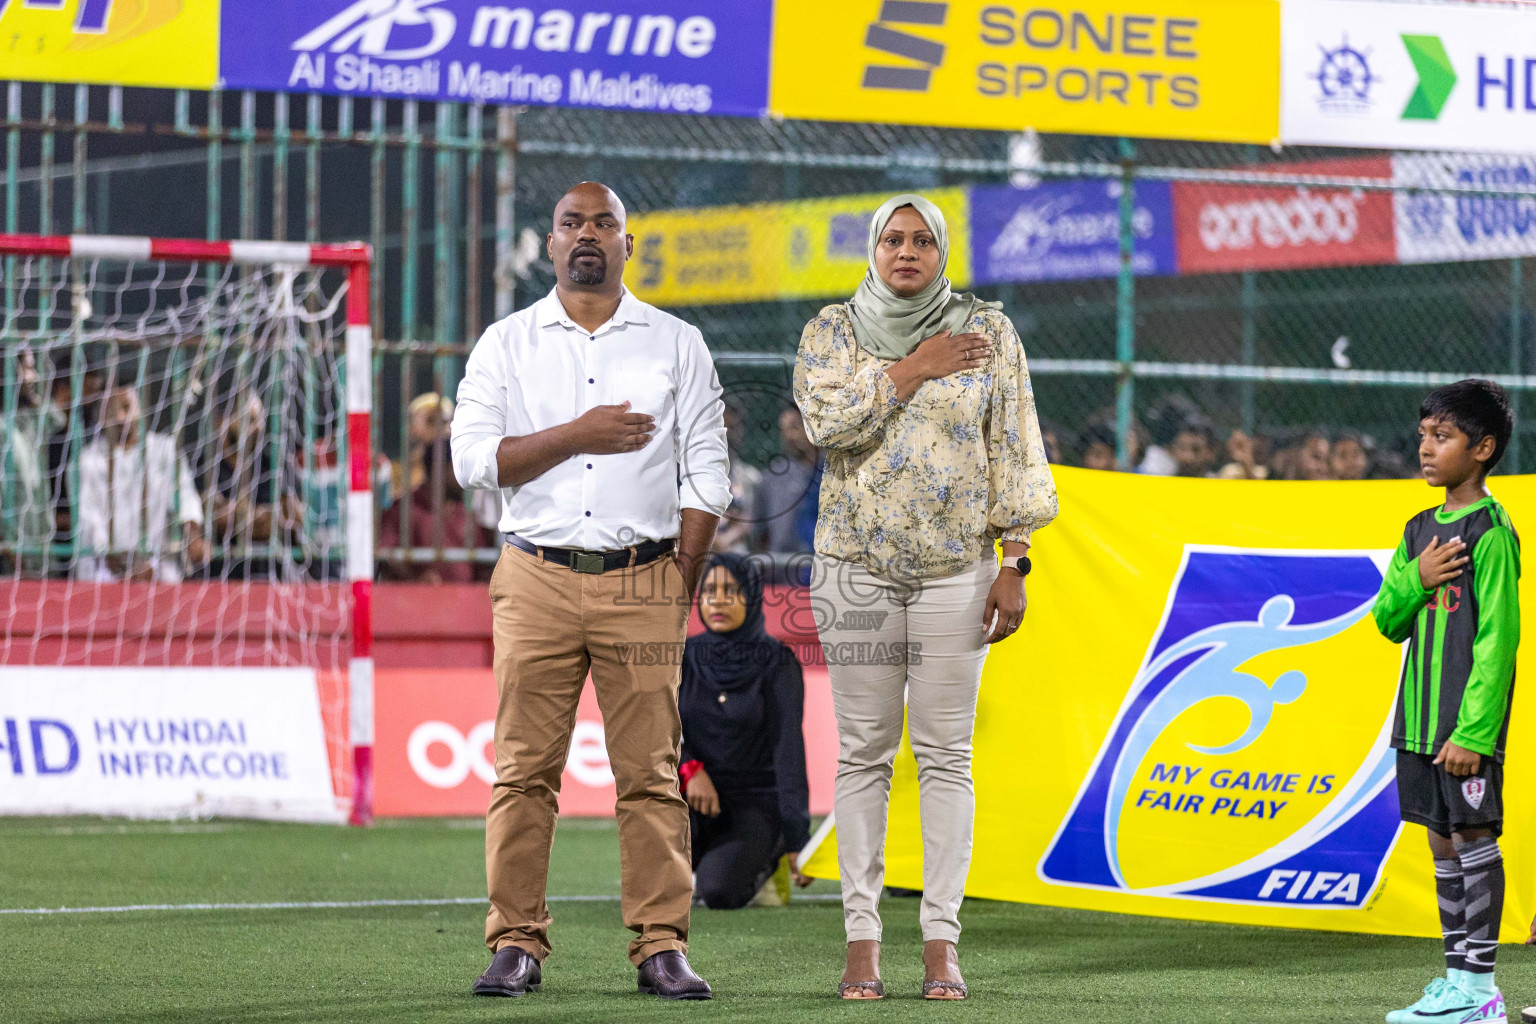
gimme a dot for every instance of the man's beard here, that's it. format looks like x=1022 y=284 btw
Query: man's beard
x=587 y=276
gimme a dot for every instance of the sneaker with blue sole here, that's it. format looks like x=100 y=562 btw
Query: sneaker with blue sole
x=1443 y=1002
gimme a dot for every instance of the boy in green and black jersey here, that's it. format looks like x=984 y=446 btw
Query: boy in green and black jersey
x=1451 y=593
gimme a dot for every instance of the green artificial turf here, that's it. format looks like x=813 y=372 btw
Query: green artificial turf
x=416 y=963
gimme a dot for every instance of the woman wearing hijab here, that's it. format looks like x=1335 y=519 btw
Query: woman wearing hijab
x=922 y=401
x=743 y=767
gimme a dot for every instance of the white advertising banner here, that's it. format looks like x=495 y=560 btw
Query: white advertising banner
x=1391 y=75
x=164 y=743
x=1438 y=227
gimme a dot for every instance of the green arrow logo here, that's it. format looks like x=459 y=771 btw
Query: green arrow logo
x=1436 y=78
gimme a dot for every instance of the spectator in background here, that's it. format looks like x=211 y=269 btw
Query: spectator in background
x=427 y=419
x=1168 y=417
x=1099 y=447
x=1194 y=447
x=741 y=700
x=1350 y=458
x=253 y=492
x=1312 y=458
x=26 y=511
x=66 y=434
x=1246 y=457
x=1050 y=435
x=1399 y=461
x=788 y=490
x=737 y=524
x=435 y=524
x=140 y=512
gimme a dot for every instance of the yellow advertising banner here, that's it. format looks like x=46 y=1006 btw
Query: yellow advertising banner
x=1206 y=70
x=1194 y=720
x=808 y=248
x=164 y=43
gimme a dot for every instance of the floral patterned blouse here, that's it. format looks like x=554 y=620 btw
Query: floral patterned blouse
x=921 y=489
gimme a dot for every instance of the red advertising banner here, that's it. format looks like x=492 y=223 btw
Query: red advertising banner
x=1225 y=228
x=432 y=749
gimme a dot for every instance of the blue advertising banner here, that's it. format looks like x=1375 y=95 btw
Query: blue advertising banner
x=1063 y=231
x=666 y=56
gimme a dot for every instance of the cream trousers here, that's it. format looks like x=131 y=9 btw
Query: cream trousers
x=893 y=646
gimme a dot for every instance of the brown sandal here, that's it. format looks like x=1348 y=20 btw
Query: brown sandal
x=845 y=987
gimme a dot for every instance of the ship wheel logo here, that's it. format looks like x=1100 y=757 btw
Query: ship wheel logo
x=1344 y=79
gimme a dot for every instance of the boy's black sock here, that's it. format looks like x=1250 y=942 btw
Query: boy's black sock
x=1453 y=911
x=1482 y=878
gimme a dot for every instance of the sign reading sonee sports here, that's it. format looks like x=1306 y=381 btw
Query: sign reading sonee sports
x=1178 y=69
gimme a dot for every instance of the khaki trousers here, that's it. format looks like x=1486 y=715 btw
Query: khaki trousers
x=863 y=619
x=550 y=626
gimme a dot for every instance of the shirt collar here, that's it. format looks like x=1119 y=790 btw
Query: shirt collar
x=551 y=311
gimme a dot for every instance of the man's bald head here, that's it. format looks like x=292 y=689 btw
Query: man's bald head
x=592 y=195
x=588 y=244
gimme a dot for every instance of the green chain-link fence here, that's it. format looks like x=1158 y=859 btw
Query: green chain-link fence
x=456 y=201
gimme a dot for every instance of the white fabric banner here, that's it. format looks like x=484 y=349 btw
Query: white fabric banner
x=1391 y=75
x=1437 y=227
x=164 y=743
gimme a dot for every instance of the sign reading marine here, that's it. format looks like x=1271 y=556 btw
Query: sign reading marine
x=675 y=56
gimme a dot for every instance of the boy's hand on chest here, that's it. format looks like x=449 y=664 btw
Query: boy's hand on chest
x=1440 y=563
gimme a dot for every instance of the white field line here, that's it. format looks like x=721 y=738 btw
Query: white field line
x=453 y=901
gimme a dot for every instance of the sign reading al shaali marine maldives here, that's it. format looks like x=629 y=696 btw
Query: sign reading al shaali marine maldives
x=1408 y=76
x=1061 y=231
x=164 y=742
x=675 y=56
x=1277 y=810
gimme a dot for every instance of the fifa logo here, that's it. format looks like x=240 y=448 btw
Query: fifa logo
x=899 y=42
x=1232 y=771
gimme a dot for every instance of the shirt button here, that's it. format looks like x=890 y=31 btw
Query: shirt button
x=589 y=465
x=591 y=381
x=589 y=513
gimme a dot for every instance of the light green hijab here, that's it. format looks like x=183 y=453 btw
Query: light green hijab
x=889 y=326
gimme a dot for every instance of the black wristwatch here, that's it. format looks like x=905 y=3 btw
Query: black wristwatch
x=1017 y=562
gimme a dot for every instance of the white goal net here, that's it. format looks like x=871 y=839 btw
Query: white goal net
x=174 y=446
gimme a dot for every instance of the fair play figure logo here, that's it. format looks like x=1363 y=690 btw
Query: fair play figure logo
x=1248 y=763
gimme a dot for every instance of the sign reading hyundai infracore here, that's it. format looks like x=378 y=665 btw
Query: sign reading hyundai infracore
x=1409 y=76
x=666 y=56
x=164 y=743
x=1190 y=69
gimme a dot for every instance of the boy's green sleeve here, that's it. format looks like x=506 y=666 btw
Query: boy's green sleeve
x=1401 y=596
x=1495 y=581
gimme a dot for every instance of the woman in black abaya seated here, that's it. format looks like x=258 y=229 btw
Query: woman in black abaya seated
x=743 y=767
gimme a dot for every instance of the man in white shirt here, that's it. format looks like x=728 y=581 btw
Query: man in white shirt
x=139 y=507
x=600 y=420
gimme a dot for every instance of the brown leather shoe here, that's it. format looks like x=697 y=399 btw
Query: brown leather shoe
x=667 y=974
x=513 y=972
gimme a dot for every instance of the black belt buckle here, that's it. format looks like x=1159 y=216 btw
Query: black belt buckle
x=588 y=563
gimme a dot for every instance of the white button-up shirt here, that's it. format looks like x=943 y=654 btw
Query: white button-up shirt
x=133 y=499
x=538 y=369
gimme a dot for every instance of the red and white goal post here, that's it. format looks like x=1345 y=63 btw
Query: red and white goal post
x=186 y=528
